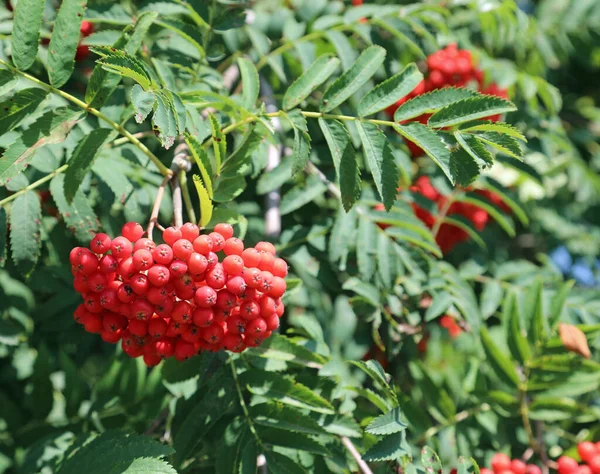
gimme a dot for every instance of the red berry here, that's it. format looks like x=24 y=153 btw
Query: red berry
x=80 y=284
x=205 y=297
x=256 y=327
x=567 y=465
x=267 y=306
x=233 y=342
x=111 y=337
x=278 y=287
x=126 y=269
x=121 y=247
x=272 y=322
x=203 y=244
x=100 y=243
x=182 y=312
x=249 y=310
x=87 y=28
x=236 y=285
x=162 y=254
x=151 y=359
x=226 y=299
x=182 y=249
x=157 y=327
x=159 y=275
x=137 y=327
x=125 y=294
x=267 y=247
x=586 y=450
x=76 y=254
x=113 y=322
x=533 y=469
x=213 y=334
x=141 y=309
x=197 y=264
x=97 y=282
x=191 y=334
x=500 y=462
x=92 y=322
x=253 y=278
x=517 y=466
x=225 y=230
x=584 y=469
x=237 y=325
x=142 y=260
x=108 y=264
x=594 y=464
x=164 y=309
x=203 y=317
x=139 y=284
x=251 y=257
x=267 y=261
x=178 y=268
x=145 y=244
x=175 y=328
x=171 y=235
x=280 y=268
x=233 y=246
x=109 y=299
x=132 y=231
x=190 y=231
x=218 y=241
x=212 y=259
x=164 y=347
x=88 y=264
x=233 y=265
x=82 y=52
x=267 y=282
x=216 y=278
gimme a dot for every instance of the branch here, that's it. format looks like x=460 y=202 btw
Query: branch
x=362 y=465
x=177 y=202
x=33 y=185
x=119 y=128
x=461 y=416
x=159 y=196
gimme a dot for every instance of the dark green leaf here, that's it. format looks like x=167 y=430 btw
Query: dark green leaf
x=164 y=120
x=189 y=32
x=7 y=81
x=202 y=161
x=343 y=155
x=27 y=25
x=82 y=159
x=500 y=362
x=318 y=72
x=506 y=144
x=366 y=248
x=534 y=312
x=283 y=417
x=19 y=106
x=278 y=347
x=219 y=141
x=250 y=84
x=390 y=91
x=354 y=78
x=374 y=370
x=149 y=466
x=476 y=149
x=386 y=424
x=25 y=223
x=390 y=448
x=121 y=62
x=469 y=109
x=64 y=41
x=516 y=337
x=381 y=161
x=286 y=439
x=280 y=464
x=300 y=195
x=557 y=303
x=3 y=236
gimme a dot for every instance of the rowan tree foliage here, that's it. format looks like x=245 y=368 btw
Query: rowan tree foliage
x=428 y=171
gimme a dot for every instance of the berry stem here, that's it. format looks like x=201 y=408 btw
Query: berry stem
x=439 y=220
x=33 y=185
x=156 y=208
x=177 y=201
x=74 y=100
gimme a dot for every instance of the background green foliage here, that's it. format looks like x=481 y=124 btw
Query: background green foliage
x=85 y=146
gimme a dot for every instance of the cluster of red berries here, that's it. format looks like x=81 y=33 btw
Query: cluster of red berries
x=83 y=51
x=502 y=464
x=448 y=235
x=449 y=67
x=177 y=299
x=590 y=455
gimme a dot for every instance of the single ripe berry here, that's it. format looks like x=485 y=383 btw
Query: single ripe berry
x=251 y=257
x=178 y=268
x=213 y=334
x=190 y=231
x=272 y=322
x=182 y=312
x=517 y=466
x=203 y=244
x=253 y=278
x=108 y=264
x=171 y=235
x=162 y=254
x=267 y=261
x=205 y=297
x=141 y=309
x=121 y=247
x=233 y=265
x=584 y=469
x=100 y=243
x=164 y=347
x=533 y=469
x=233 y=246
x=249 y=310
x=142 y=260
x=586 y=450
x=233 y=342
x=182 y=249
x=280 y=268
x=139 y=284
x=126 y=269
x=145 y=244
x=157 y=327
x=132 y=231
x=197 y=264
x=278 y=287
x=203 y=317
x=594 y=463
x=137 y=327
x=256 y=327
x=216 y=278
x=125 y=294
x=501 y=462
x=225 y=230
x=267 y=247
x=567 y=465
x=97 y=282
x=159 y=275
x=151 y=359
x=218 y=241
x=88 y=264
x=236 y=285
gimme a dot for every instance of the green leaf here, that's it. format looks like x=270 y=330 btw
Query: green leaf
x=554 y=409
x=487 y=126
x=3 y=236
x=25 y=223
x=240 y=161
x=506 y=144
x=374 y=370
x=317 y=73
x=501 y=220
x=278 y=347
x=344 y=159
x=390 y=91
x=469 y=109
x=248 y=464
x=64 y=41
x=79 y=215
x=439 y=305
x=206 y=205
x=19 y=106
x=534 y=312
x=381 y=161
x=431 y=102
x=215 y=402
x=366 y=248
x=464 y=167
x=431 y=144
x=127 y=451
x=27 y=25
x=188 y=32
x=280 y=464
x=164 y=120
x=143 y=102
x=202 y=161
x=558 y=302
x=500 y=363
x=231 y=447
x=301 y=195
x=52 y=127
x=219 y=142
x=250 y=83
x=430 y=460
x=301 y=148
x=286 y=439
x=390 y=448
x=390 y=422
x=354 y=78
x=462 y=223
x=8 y=80
x=491 y=297
x=83 y=158
x=283 y=417
x=285 y=390
x=516 y=337
x=149 y=466
x=476 y=149
x=121 y=62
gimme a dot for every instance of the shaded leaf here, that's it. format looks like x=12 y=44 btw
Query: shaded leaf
x=27 y=24
x=19 y=106
x=250 y=84
x=389 y=448
x=25 y=223
x=500 y=362
x=280 y=464
x=202 y=161
x=283 y=417
x=317 y=73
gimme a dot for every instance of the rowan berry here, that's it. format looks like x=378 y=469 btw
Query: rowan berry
x=203 y=317
x=233 y=265
x=97 y=282
x=584 y=469
x=253 y=278
x=108 y=264
x=175 y=328
x=100 y=243
x=533 y=469
x=197 y=264
x=109 y=299
x=218 y=241
x=256 y=327
x=205 y=297
x=236 y=285
x=586 y=450
x=190 y=231
x=203 y=244
x=171 y=235
x=184 y=350
x=500 y=462
x=182 y=312
x=233 y=246
x=280 y=268
x=251 y=257
x=151 y=360
x=182 y=249
x=518 y=467
x=92 y=322
x=272 y=322
x=267 y=261
x=142 y=309
x=164 y=309
x=88 y=264
x=159 y=275
x=162 y=254
x=213 y=334
x=144 y=244
x=594 y=463
x=191 y=333
x=164 y=347
x=567 y=465
x=216 y=277
x=80 y=283
x=121 y=247
x=138 y=327
x=142 y=260
x=249 y=310
x=157 y=327
x=225 y=230
x=111 y=337
x=233 y=342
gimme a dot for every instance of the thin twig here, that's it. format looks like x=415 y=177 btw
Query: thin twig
x=33 y=185
x=362 y=465
x=461 y=416
x=177 y=202
x=159 y=196
x=157 y=422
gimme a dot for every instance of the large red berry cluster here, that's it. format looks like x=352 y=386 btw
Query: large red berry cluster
x=502 y=464
x=449 y=67
x=178 y=298
x=590 y=456
x=448 y=235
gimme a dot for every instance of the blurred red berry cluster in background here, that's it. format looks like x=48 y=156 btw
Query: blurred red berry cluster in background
x=449 y=67
x=502 y=464
x=590 y=456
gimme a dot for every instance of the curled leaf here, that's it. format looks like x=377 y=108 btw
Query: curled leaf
x=574 y=339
